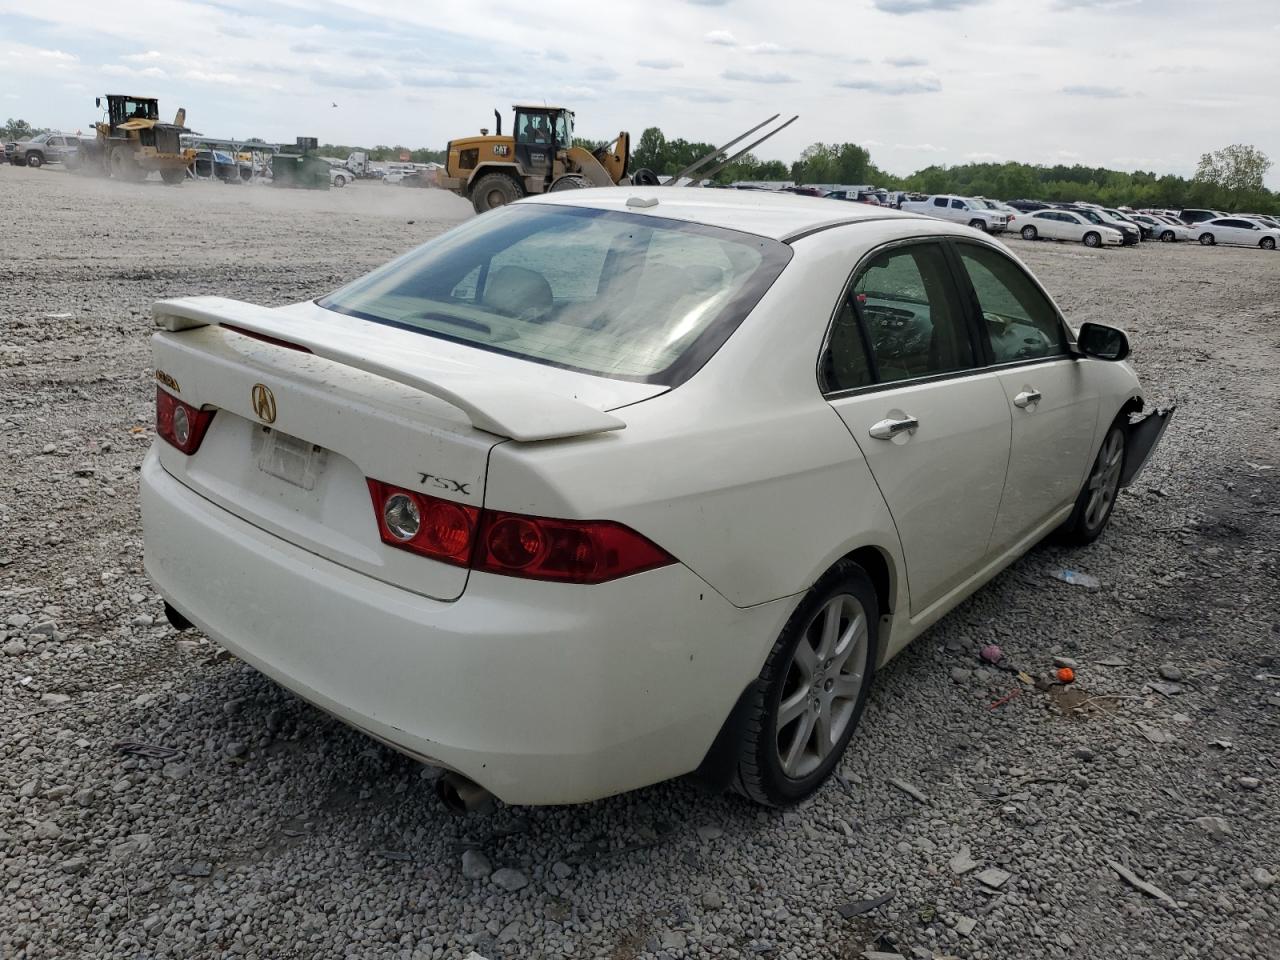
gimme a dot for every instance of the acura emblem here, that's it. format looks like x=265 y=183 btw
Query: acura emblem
x=264 y=403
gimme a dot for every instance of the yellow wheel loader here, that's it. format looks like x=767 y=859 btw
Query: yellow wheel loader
x=131 y=142
x=540 y=157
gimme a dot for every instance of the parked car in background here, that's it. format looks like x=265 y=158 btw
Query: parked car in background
x=1068 y=225
x=339 y=176
x=215 y=165
x=4 y=153
x=1130 y=231
x=45 y=148
x=1146 y=223
x=427 y=523
x=1002 y=207
x=1171 y=229
x=1026 y=206
x=965 y=210
x=1193 y=216
x=1237 y=231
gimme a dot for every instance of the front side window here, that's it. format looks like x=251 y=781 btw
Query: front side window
x=1020 y=321
x=957 y=205
x=902 y=321
x=615 y=294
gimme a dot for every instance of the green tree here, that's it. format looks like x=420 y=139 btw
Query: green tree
x=1238 y=171
x=650 y=151
x=20 y=130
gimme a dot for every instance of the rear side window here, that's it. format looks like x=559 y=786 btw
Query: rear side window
x=940 y=201
x=622 y=295
x=901 y=320
x=1020 y=322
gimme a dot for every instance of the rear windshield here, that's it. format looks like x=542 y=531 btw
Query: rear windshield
x=627 y=296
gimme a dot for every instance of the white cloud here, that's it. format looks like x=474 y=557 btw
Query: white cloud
x=722 y=38
x=920 y=147
x=765 y=47
x=660 y=63
x=893 y=88
x=751 y=76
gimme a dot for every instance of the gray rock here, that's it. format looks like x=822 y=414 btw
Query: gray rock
x=961 y=675
x=709 y=831
x=965 y=926
x=561 y=870
x=673 y=940
x=18 y=620
x=1249 y=783
x=962 y=862
x=509 y=879
x=1066 y=662
x=83 y=797
x=1263 y=877
x=1083 y=753
x=176 y=771
x=200 y=868
x=29 y=789
x=74 y=866
x=475 y=865
x=45 y=628
x=54 y=699
x=1216 y=827
x=235 y=750
x=14 y=648
x=993 y=877
x=908 y=789
x=510 y=932
x=711 y=900
x=1166 y=688
x=47 y=830
x=1169 y=672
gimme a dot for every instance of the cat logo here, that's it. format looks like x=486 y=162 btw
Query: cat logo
x=501 y=150
x=264 y=403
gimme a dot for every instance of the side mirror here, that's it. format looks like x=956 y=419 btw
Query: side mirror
x=97 y=101
x=1101 y=342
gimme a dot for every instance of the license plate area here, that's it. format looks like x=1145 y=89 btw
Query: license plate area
x=291 y=459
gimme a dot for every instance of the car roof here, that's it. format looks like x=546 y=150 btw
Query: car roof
x=780 y=216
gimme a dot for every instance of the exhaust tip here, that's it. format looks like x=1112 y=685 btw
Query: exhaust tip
x=462 y=796
x=176 y=620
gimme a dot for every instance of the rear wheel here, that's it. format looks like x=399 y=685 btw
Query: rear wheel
x=1098 y=497
x=495 y=190
x=1168 y=236
x=339 y=181
x=1029 y=232
x=1207 y=240
x=1268 y=243
x=978 y=225
x=172 y=176
x=812 y=691
x=1092 y=239
x=123 y=166
x=34 y=160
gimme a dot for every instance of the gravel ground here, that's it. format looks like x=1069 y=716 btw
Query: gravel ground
x=272 y=831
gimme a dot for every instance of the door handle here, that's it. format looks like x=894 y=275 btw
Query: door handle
x=888 y=429
x=1026 y=398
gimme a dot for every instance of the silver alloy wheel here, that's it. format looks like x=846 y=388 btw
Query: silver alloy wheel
x=1104 y=481
x=824 y=681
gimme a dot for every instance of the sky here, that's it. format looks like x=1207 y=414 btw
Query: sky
x=1128 y=84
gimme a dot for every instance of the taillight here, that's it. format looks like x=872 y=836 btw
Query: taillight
x=440 y=529
x=571 y=551
x=510 y=544
x=180 y=424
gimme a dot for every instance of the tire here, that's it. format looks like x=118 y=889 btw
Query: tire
x=1092 y=239
x=495 y=190
x=35 y=160
x=570 y=181
x=123 y=166
x=1168 y=236
x=173 y=176
x=1207 y=240
x=777 y=765
x=978 y=225
x=1267 y=243
x=1029 y=233
x=339 y=181
x=644 y=177
x=1097 y=497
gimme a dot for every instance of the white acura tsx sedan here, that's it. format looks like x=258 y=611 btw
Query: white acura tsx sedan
x=617 y=485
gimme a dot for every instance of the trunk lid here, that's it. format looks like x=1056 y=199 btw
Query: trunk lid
x=296 y=435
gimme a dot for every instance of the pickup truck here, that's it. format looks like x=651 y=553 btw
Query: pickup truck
x=962 y=210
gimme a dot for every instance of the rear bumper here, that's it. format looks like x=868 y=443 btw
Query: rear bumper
x=542 y=693
x=1144 y=437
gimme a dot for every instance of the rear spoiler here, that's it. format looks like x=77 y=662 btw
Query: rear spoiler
x=503 y=407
